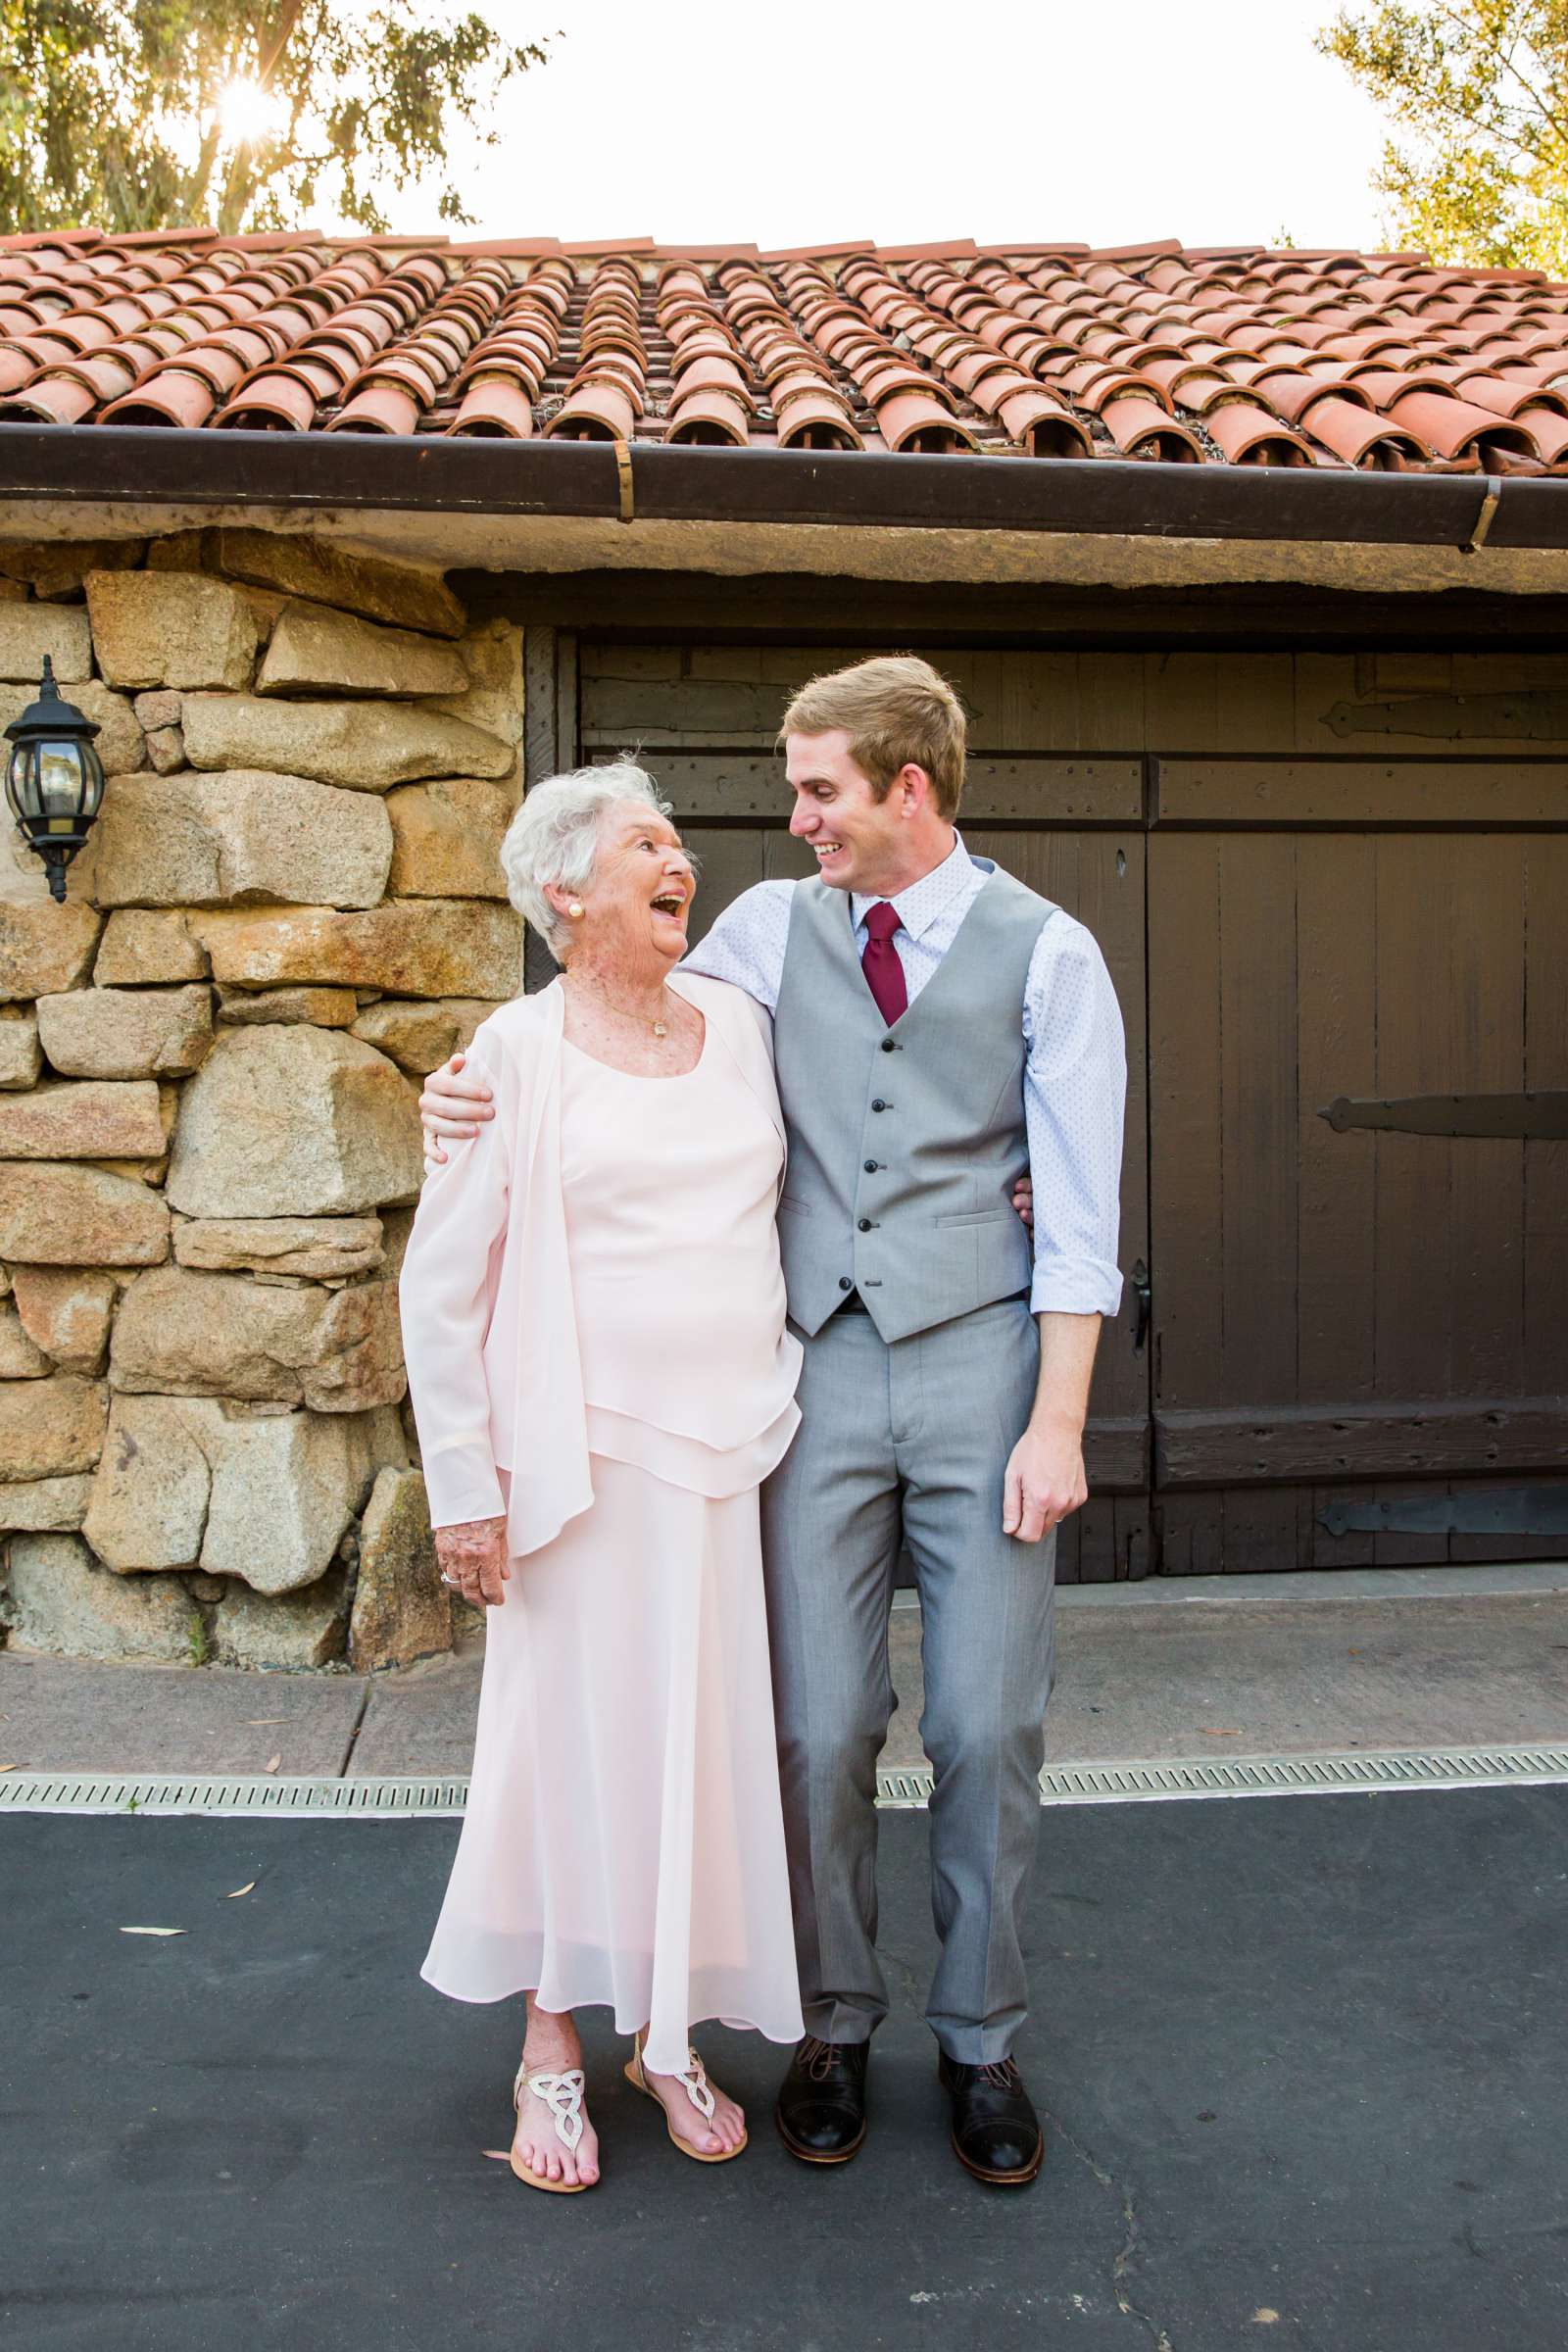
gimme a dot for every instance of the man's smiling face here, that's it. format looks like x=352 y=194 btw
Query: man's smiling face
x=859 y=843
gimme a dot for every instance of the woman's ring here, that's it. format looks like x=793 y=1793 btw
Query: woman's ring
x=449 y=1580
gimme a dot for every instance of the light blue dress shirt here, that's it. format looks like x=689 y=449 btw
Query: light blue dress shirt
x=1075 y=1071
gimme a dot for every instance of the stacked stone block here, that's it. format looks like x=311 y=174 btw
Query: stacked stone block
x=290 y=908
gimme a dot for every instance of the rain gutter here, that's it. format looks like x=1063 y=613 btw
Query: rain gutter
x=436 y=473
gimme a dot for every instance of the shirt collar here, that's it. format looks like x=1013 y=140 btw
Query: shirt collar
x=918 y=907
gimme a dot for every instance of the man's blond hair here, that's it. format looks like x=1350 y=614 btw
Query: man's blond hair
x=897 y=713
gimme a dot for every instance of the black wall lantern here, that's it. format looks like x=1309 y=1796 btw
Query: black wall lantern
x=54 y=778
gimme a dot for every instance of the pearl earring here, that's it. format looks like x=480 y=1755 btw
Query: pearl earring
x=575 y=910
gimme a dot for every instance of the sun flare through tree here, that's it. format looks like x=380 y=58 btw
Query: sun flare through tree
x=127 y=115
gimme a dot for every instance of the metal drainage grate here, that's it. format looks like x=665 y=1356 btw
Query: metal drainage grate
x=1303 y=1776
x=443 y=1796
x=163 y=1795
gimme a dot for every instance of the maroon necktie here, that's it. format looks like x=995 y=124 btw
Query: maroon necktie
x=884 y=974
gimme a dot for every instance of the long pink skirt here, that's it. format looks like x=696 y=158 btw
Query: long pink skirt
x=624 y=1843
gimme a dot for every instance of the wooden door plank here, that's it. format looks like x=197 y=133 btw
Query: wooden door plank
x=1543 y=1283
x=1037 y=706
x=1192 y=1533
x=1135 y=1546
x=1000 y=786
x=1181 y=701
x=1438 y=1438
x=1253 y=704
x=1336 y=1029
x=1485 y=1055
x=1110 y=701
x=1096 y=1524
x=1417 y=887
x=1262 y=1530
x=1481 y=793
x=1186 y=1112
x=1259 y=1174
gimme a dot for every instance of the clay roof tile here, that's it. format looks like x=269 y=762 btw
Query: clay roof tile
x=1239 y=355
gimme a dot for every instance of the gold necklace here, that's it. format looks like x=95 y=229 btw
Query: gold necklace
x=659 y=1028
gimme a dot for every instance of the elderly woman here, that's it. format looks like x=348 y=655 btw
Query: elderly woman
x=593 y=1312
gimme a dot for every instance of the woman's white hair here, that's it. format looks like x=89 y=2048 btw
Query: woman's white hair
x=554 y=838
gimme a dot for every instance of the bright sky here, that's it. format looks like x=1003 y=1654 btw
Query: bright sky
x=1104 y=121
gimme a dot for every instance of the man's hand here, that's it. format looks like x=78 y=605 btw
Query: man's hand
x=455 y=1101
x=474 y=1558
x=1023 y=1200
x=1045 y=1480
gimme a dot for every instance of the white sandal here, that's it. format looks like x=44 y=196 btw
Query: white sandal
x=562 y=2095
x=693 y=2079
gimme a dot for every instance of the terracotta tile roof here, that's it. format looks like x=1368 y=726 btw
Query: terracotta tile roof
x=1245 y=357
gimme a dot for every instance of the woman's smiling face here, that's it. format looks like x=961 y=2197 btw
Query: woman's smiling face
x=639 y=902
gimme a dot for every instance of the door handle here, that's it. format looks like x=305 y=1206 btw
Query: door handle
x=1146 y=1306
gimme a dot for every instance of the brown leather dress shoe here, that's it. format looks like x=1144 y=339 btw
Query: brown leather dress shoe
x=821 y=2101
x=995 y=2132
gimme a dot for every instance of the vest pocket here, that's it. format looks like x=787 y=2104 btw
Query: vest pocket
x=983 y=1217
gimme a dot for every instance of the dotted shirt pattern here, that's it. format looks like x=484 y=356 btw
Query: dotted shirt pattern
x=1075 y=1071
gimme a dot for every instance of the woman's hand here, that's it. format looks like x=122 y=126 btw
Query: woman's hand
x=1023 y=1200
x=454 y=1103
x=473 y=1558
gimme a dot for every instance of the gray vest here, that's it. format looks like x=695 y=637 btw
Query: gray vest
x=905 y=1142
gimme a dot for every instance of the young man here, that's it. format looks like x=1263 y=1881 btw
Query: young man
x=934 y=1020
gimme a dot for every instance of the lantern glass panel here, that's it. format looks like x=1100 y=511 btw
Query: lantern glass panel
x=60 y=781
x=21 y=782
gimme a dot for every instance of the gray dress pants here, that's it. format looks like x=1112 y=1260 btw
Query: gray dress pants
x=911 y=1438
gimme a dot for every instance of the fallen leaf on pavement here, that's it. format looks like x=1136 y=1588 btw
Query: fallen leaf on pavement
x=254 y=1723
x=237 y=1891
x=1264 y=2316
x=1211 y=1731
x=272 y=1763
x=10 y=1768
x=154 y=1931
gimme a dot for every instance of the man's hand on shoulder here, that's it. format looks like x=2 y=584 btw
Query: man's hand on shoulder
x=456 y=1102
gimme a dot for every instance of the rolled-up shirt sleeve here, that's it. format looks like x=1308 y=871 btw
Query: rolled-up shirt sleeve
x=445 y=1290
x=1075 y=1089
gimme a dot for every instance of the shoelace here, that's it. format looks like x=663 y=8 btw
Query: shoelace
x=1002 y=2075
x=819 y=2057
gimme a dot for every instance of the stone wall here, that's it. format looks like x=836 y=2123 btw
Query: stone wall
x=289 y=909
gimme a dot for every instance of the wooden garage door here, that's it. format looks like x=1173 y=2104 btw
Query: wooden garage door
x=1072 y=828
x=1359 y=1310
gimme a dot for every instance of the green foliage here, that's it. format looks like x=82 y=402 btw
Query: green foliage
x=113 y=113
x=196 y=1639
x=1477 y=172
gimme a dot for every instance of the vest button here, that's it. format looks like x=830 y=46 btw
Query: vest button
x=845 y=1284
x=879 y=1105
x=870 y=1167
x=888 y=1046
x=864 y=1224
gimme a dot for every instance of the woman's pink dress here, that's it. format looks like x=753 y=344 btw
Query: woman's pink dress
x=623 y=1841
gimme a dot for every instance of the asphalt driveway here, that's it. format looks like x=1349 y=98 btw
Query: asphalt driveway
x=1305 y=2062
